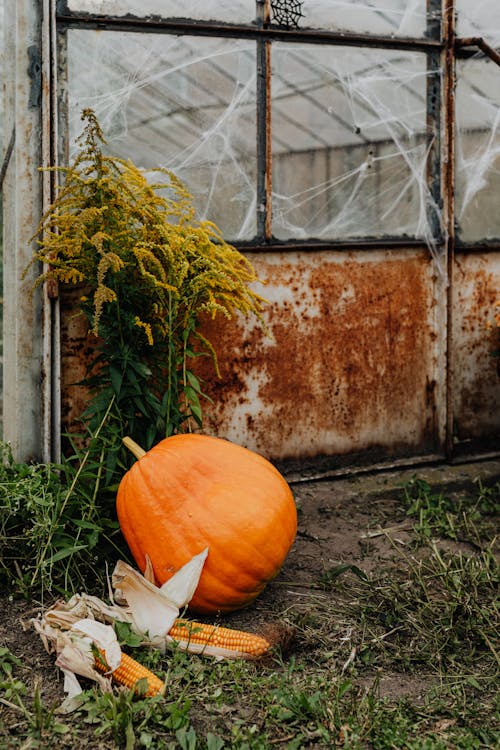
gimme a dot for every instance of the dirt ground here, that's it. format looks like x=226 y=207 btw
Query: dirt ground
x=340 y=521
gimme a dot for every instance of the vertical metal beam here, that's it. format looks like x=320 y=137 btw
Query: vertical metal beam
x=434 y=119
x=23 y=370
x=264 y=150
x=449 y=83
x=437 y=219
x=51 y=410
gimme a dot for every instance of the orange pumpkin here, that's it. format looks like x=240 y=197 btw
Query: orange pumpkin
x=192 y=491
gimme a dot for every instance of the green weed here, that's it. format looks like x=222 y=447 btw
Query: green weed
x=56 y=530
x=465 y=518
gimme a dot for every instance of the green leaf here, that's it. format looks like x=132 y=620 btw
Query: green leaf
x=197 y=413
x=66 y=552
x=338 y=570
x=193 y=381
x=86 y=524
x=214 y=742
x=116 y=377
x=187 y=738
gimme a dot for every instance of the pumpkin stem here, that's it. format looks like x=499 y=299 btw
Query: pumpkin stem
x=133 y=447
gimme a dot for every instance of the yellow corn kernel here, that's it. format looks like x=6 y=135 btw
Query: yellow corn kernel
x=129 y=672
x=188 y=633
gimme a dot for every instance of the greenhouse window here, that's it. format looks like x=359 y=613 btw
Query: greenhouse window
x=289 y=122
x=317 y=134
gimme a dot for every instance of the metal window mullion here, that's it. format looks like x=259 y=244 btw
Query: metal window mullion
x=264 y=151
x=151 y=25
x=51 y=350
x=448 y=169
x=23 y=362
x=436 y=118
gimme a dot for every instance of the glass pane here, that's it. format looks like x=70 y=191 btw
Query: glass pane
x=230 y=11
x=183 y=103
x=479 y=18
x=478 y=150
x=349 y=143
x=390 y=18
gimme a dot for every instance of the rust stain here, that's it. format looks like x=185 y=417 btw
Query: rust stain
x=350 y=365
x=477 y=376
x=352 y=362
x=77 y=350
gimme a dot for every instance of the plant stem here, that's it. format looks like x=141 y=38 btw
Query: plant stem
x=134 y=447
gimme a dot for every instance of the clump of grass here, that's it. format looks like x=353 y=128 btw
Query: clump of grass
x=466 y=517
x=56 y=531
x=430 y=616
x=295 y=703
x=437 y=613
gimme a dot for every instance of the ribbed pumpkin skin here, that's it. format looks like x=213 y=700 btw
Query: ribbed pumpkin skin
x=190 y=492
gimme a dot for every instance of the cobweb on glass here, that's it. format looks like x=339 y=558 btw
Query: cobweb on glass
x=351 y=142
x=287 y=12
x=186 y=104
x=479 y=18
x=478 y=126
x=478 y=150
x=390 y=18
x=350 y=133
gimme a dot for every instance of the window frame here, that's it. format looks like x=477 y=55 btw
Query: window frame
x=264 y=32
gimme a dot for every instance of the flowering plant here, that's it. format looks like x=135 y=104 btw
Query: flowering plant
x=150 y=271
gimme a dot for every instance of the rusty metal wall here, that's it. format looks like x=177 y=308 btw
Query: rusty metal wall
x=371 y=357
x=476 y=387
x=352 y=362
x=354 y=366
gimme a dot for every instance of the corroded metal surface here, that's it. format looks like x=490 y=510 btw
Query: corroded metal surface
x=477 y=371
x=351 y=362
x=77 y=350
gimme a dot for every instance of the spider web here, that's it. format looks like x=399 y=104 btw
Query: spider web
x=287 y=12
x=350 y=136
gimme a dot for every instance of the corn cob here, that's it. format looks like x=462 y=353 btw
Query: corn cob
x=195 y=636
x=129 y=672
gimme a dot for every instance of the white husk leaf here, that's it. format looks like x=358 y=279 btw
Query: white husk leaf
x=75 y=657
x=104 y=638
x=181 y=587
x=71 y=628
x=149 y=573
x=152 y=613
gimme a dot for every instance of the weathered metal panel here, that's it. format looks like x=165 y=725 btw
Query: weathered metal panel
x=477 y=371
x=354 y=358
x=353 y=361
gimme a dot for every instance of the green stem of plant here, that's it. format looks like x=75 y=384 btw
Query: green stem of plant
x=169 y=367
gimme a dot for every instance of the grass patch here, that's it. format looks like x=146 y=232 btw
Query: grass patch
x=467 y=517
x=284 y=704
x=57 y=525
x=438 y=612
x=405 y=656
